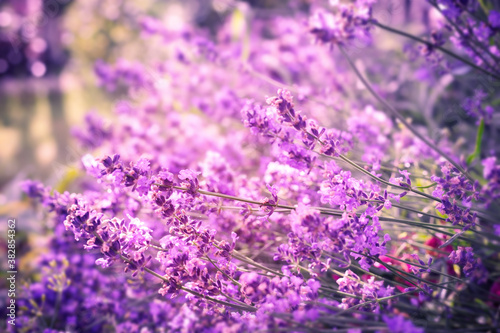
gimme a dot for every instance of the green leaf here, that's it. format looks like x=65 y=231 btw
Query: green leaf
x=481 y=303
x=479 y=139
x=438 y=213
x=70 y=176
x=428 y=186
x=485 y=6
x=240 y=31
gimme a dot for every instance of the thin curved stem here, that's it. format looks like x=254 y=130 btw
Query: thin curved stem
x=474 y=40
x=376 y=300
x=396 y=114
x=236 y=306
x=332 y=212
x=422 y=266
x=442 y=49
x=366 y=172
x=385 y=182
x=224 y=273
x=248 y=308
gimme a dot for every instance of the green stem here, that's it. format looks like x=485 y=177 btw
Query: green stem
x=57 y=308
x=248 y=308
x=378 y=300
x=422 y=266
x=442 y=49
x=150 y=271
x=366 y=172
x=428 y=186
x=410 y=209
x=249 y=261
x=474 y=40
x=236 y=306
x=327 y=211
x=410 y=275
x=220 y=270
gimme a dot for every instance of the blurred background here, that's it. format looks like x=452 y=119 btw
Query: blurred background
x=48 y=49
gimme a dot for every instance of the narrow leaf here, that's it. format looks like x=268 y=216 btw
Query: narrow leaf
x=479 y=139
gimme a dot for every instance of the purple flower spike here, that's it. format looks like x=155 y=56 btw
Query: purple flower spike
x=347 y=23
x=494 y=19
x=398 y=324
x=189 y=180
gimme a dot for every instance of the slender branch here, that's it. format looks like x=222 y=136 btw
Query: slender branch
x=442 y=49
x=366 y=172
x=474 y=40
x=377 y=300
x=245 y=259
x=422 y=266
x=428 y=186
x=224 y=273
x=409 y=275
x=332 y=212
x=248 y=308
x=385 y=182
x=410 y=209
x=236 y=306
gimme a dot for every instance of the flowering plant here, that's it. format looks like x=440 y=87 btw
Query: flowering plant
x=283 y=175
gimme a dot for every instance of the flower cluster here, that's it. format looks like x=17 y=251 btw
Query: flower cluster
x=491 y=191
x=471 y=32
x=454 y=188
x=464 y=257
x=473 y=106
x=348 y=22
x=367 y=291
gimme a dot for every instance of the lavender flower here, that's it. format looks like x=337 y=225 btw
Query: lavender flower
x=347 y=23
x=464 y=257
x=473 y=106
x=398 y=324
x=494 y=19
